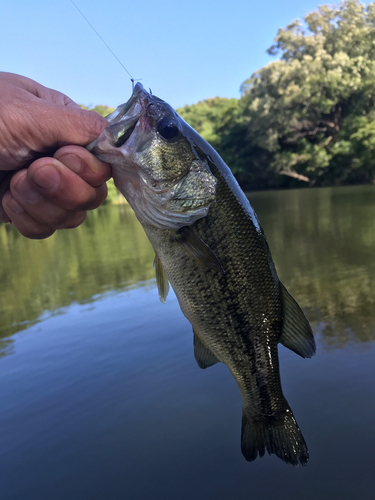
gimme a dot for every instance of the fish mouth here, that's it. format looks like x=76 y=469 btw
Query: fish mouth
x=125 y=109
x=118 y=133
x=123 y=120
x=125 y=135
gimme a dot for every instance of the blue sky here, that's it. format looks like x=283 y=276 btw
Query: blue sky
x=185 y=51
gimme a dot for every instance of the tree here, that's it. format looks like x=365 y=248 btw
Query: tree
x=313 y=110
x=220 y=122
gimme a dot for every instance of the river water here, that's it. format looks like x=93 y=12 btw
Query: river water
x=100 y=395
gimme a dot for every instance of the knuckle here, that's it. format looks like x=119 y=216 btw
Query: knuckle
x=86 y=165
x=89 y=202
x=49 y=216
x=57 y=221
x=101 y=172
x=100 y=194
x=70 y=222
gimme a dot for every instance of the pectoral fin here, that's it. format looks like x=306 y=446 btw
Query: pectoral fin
x=296 y=333
x=161 y=280
x=203 y=356
x=198 y=250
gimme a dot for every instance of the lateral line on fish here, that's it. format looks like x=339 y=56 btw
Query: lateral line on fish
x=108 y=47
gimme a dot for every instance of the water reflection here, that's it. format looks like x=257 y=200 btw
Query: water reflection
x=322 y=241
x=110 y=251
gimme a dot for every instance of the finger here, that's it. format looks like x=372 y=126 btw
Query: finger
x=4 y=187
x=41 y=208
x=35 y=126
x=61 y=185
x=84 y=164
x=48 y=214
x=64 y=125
x=22 y=221
x=38 y=90
x=51 y=95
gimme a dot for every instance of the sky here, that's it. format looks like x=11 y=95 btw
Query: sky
x=185 y=51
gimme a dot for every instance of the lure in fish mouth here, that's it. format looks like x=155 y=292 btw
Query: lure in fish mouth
x=210 y=247
x=144 y=144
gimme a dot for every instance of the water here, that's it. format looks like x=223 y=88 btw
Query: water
x=101 y=397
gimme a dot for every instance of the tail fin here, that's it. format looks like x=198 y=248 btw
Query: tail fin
x=281 y=437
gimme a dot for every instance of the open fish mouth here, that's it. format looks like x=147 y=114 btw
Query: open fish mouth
x=126 y=134
x=118 y=133
x=123 y=120
x=129 y=107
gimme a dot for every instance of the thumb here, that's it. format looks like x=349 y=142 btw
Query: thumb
x=65 y=125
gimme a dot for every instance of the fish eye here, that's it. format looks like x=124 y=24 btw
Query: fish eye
x=168 y=128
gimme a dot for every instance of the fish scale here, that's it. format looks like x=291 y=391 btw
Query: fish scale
x=210 y=247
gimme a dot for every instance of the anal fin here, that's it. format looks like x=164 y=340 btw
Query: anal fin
x=296 y=333
x=203 y=356
x=161 y=280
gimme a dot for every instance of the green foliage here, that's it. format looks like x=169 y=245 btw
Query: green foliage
x=102 y=110
x=221 y=123
x=217 y=120
x=114 y=195
x=313 y=109
x=209 y=116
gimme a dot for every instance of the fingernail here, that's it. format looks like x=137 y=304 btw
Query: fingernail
x=47 y=177
x=14 y=206
x=73 y=162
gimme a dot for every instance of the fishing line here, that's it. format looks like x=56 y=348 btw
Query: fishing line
x=109 y=48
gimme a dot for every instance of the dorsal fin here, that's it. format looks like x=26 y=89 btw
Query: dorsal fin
x=203 y=356
x=161 y=280
x=296 y=333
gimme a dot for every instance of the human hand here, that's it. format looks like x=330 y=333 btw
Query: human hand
x=50 y=193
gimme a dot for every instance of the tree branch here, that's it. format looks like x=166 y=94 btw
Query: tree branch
x=295 y=175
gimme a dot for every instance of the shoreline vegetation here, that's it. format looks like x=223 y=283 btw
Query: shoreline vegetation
x=306 y=119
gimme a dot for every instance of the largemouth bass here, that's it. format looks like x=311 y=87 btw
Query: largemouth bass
x=209 y=245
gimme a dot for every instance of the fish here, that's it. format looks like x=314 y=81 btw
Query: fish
x=210 y=247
